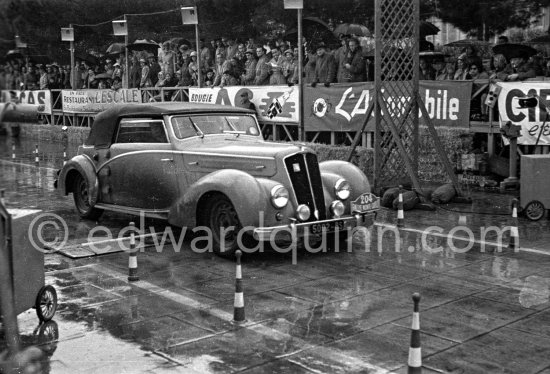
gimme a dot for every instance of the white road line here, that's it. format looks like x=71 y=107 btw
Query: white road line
x=28 y=165
x=460 y=238
x=342 y=358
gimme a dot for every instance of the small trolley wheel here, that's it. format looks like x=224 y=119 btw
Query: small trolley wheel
x=46 y=303
x=534 y=210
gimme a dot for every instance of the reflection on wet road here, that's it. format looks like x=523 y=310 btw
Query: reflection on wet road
x=328 y=313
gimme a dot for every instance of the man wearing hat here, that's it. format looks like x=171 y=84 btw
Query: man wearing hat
x=247 y=78
x=325 y=67
x=168 y=60
x=154 y=67
x=290 y=67
x=145 y=74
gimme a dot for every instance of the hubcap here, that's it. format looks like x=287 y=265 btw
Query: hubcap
x=47 y=304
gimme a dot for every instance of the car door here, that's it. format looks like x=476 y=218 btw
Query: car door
x=140 y=172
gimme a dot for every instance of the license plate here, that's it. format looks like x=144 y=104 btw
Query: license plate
x=364 y=203
x=317 y=228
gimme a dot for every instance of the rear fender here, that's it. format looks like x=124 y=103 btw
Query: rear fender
x=246 y=193
x=79 y=165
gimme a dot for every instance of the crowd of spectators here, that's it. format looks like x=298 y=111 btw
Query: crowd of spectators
x=229 y=62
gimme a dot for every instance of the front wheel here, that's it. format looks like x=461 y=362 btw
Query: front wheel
x=81 y=199
x=221 y=218
x=534 y=210
x=46 y=303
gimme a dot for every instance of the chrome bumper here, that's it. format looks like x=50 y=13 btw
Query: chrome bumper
x=285 y=232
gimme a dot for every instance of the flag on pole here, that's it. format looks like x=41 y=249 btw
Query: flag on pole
x=277 y=104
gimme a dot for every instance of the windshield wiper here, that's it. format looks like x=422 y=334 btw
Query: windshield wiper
x=197 y=129
x=233 y=129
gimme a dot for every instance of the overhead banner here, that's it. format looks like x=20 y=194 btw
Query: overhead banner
x=262 y=96
x=94 y=101
x=42 y=98
x=532 y=120
x=342 y=107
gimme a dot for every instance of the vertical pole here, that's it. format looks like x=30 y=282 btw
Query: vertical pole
x=197 y=40
x=377 y=88
x=415 y=89
x=71 y=46
x=301 y=130
x=126 y=64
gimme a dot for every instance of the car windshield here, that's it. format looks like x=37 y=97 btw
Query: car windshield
x=200 y=125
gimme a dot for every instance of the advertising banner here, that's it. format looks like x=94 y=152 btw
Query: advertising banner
x=42 y=98
x=533 y=121
x=94 y=101
x=262 y=96
x=342 y=107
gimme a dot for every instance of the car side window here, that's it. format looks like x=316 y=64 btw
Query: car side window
x=141 y=131
x=183 y=128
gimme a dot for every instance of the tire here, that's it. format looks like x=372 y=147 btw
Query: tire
x=46 y=303
x=80 y=196
x=534 y=210
x=219 y=214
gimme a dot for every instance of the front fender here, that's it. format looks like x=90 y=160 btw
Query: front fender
x=355 y=176
x=246 y=193
x=79 y=165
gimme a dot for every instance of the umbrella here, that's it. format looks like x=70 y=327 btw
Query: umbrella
x=431 y=55
x=103 y=76
x=352 y=28
x=314 y=30
x=467 y=42
x=179 y=41
x=14 y=54
x=91 y=59
x=428 y=28
x=144 y=45
x=115 y=49
x=511 y=50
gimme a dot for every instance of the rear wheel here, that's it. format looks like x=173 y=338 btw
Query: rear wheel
x=534 y=210
x=46 y=303
x=81 y=199
x=221 y=218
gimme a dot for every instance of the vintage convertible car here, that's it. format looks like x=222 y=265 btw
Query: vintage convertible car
x=208 y=165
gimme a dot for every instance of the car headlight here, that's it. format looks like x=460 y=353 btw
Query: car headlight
x=337 y=208
x=303 y=212
x=279 y=196
x=342 y=189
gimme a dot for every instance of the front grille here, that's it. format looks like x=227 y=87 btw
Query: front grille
x=305 y=176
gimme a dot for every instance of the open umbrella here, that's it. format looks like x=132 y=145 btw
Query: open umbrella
x=511 y=50
x=431 y=55
x=14 y=54
x=90 y=59
x=115 y=49
x=352 y=28
x=179 y=41
x=144 y=45
x=314 y=30
x=103 y=76
x=428 y=28
x=467 y=42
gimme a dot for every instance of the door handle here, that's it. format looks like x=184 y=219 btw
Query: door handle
x=167 y=159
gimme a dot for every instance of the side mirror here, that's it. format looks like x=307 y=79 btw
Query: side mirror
x=528 y=102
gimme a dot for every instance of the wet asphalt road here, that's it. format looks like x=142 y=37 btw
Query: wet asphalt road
x=481 y=312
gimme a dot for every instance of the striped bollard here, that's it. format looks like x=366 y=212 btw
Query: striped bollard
x=415 y=353
x=132 y=258
x=238 y=312
x=64 y=155
x=514 y=230
x=13 y=150
x=2 y=199
x=400 y=214
x=36 y=157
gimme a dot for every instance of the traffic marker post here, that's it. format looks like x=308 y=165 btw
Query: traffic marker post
x=238 y=304
x=514 y=230
x=414 y=364
x=132 y=257
x=36 y=157
x=400 y=213
x=13 y=149
x=64 y=155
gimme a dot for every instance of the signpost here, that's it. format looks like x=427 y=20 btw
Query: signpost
x=120 y=28
x=189 y=16
x=67 y=35
x=299 y=5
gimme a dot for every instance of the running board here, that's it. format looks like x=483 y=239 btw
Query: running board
x=151 y=213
